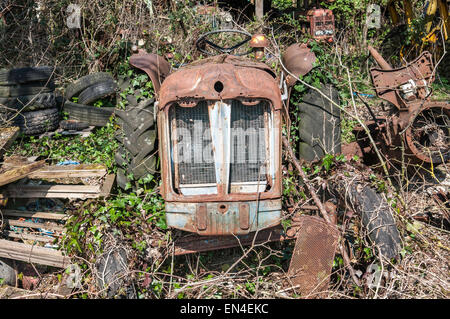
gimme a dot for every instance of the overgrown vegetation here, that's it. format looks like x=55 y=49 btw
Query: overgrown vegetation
x=34 y=32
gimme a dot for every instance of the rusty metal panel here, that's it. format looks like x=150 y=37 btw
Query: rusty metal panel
x=299 y=60
x=387 y=81
x=200 y=82
x=313 y=255
x=154 y=65
x=194 y=243
x=321 y=24
x=223 y=218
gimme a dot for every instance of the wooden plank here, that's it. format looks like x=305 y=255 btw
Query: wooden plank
x=16 y=161
x=59 y=191
x=49 y=195
x=28 y=236
x=107 y=185
x=17 y=173
x=259 y=9
x=55 y=188
x=10 y=292
x=19 y=223
x=69 y=171
x=33 y=254
x=44 y=194
x=28 y=214
x=51 y=191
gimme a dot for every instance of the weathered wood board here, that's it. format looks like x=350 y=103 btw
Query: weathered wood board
x=14 y=174
x=20 y=223
x=59 y=191
x=32 y=254
x=29 y=214
x=69 y=171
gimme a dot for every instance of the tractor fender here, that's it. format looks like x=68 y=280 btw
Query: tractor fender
x=154 y=65
x=298 y=60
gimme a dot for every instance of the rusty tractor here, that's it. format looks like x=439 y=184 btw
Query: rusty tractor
x=219 y=127
x=219 y=132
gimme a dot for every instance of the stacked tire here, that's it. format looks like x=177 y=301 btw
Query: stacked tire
x=87 y=90
x=136 y=156
x=27 y=99
x=320 y=124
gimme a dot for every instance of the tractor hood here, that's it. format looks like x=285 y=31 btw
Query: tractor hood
x=220 y=77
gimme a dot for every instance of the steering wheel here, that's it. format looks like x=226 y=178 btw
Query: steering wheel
x=203 y=39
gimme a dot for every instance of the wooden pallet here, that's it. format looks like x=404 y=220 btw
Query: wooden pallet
x=51 y=173
x=32 y=253
x=59 y=191
x=29 y=250
x=69 y=171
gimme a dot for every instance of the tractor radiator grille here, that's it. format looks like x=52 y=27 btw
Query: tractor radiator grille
x=246 y=142
x=193 y=138
x=248 y=152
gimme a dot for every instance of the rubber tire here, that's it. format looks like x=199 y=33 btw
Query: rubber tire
x=135 y=123
x=26 y=89
x=137 y=137
x=24 y=75
x=85 y=82
x=123 y=82
x=120 y=157
x=377 y=220
x=37 y=122
x=320 y=124
x=140 y=164
x=96 y=116
x=26 y=103
x=143 y=167
x=121 y=178
x=97 y=91
x=135 y=130
x=72 y=125
x=111 y=267
x=136 y=142
x=140 y=112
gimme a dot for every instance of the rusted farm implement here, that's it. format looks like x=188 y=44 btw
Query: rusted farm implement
x=418 y=130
